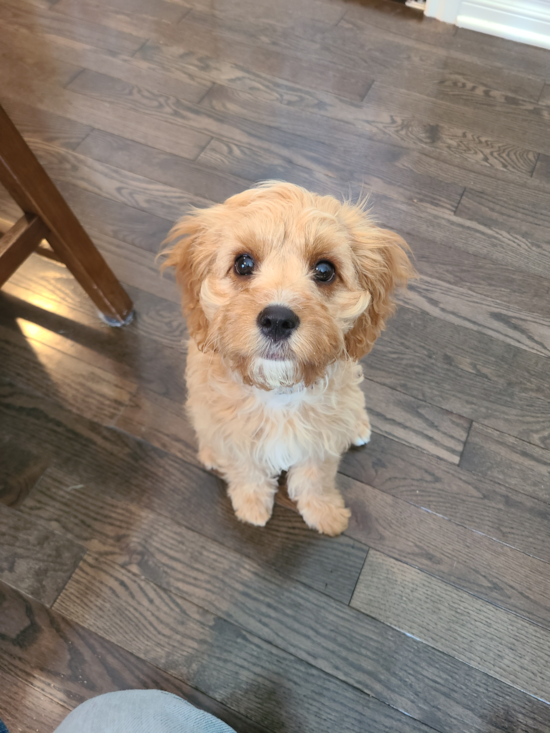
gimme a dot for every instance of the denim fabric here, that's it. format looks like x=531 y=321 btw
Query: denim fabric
x=3 y=728
x=140 y=711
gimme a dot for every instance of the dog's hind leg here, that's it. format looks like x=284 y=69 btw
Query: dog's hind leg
x=313 y=486
x=252 y=492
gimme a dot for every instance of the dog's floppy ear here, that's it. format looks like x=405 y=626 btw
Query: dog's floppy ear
x=191 y=256
x=382 y=265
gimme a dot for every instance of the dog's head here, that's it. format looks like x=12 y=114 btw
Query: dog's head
x=282 y=282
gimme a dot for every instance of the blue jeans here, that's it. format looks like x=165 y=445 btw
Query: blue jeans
x=140 y=711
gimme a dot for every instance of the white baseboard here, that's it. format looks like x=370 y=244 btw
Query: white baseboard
x=526 y=21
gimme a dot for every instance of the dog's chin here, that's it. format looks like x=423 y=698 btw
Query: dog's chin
x=272 y=372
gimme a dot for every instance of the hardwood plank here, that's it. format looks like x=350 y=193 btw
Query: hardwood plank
x=509 y=461
x=50 y=287
x=285 y=12
x=315 y=696
x=454 y=493
x=119 y=185
x=83 y=338
x=410 y=364
x=304 y=148
x=490 y=570
x=34 y=560
x=67 y=664
x=414 y=422
x=21 y=44
x=204 y=187
x=235 y=666
x=141 y=9
x=20 y=469
x=385 y=117
x=545 y=95
x=481 y=276
x=377 y=175
x=530 y=220
x=465 y=350
x=58 y=25
x=508 y=248
x=24 y=708
x=244 y=50
x=104 y=116
x=502 y=52
x=525 y=121
x=542 y=170
x=388 y=57
x=488 y=638
x=471 y=46
x=484 y=315
x=116 y=220
x=85 y=388
x=35 y=124
x=115 y=528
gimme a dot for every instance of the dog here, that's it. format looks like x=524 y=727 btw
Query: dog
x=284 y=291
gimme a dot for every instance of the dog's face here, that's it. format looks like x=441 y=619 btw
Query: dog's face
x=281 y=282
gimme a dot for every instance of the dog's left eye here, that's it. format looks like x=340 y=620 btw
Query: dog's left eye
x=244 y=265
x=324 y=272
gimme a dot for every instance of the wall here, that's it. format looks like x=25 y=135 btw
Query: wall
x=527 y=21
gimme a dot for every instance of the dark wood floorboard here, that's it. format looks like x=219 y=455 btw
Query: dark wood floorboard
x=61 y=664
x=432 y=612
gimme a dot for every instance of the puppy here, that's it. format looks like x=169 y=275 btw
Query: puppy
x=284 y=291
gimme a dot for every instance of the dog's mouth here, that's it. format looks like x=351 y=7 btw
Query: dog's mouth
x=277 y=352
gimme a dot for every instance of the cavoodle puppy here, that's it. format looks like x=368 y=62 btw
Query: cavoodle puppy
x=284 y=291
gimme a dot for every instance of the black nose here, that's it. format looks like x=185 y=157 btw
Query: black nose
x=277 y=322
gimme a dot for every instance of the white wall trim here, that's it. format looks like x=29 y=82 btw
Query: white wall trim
x=445 y=10
x=526 y=21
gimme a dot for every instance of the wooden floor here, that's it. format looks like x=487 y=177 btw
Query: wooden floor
x=121 y=563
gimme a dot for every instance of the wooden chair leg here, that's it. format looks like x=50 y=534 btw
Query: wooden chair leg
x=19 y=242
x=32 y=189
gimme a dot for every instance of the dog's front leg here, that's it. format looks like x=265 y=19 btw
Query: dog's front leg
x=252 y=492
x=313 y=486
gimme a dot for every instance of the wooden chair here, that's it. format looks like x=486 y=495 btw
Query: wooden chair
x=47 y=216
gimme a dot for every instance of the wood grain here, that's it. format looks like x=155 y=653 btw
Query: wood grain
x=24 y=708
x=484 y=315
x=455 y=382
x=99 y=592
x=118 y=185
x=56 y=24
x=118 y=529
x=414 y=422
x=50 y=128
x=257 y=679
x=496 y=642
x=468 y=560
x=507 y=460
x=483 y=505
x=62 y=663
x=34 y=560
x=204 y=186
x=20 y=469
x=85 y=388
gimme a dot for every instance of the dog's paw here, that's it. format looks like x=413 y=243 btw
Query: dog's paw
x=362 y=432
x=327 y=515
x=253 y=508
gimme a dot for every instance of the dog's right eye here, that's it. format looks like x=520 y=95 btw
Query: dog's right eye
x=244 y=265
